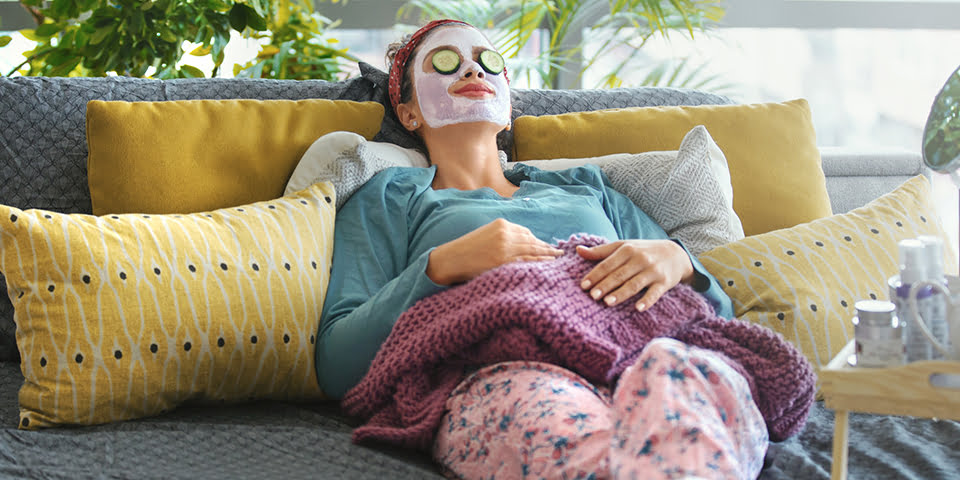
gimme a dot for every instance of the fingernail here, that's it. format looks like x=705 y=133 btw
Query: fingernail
x=610 y=300
x=585 y=284
x=595 y=293
x=641 y=307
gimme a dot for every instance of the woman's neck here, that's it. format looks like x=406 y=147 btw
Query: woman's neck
x=466 y=160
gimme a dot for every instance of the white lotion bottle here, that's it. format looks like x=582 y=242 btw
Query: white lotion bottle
x=913 y=264
x=936 y=317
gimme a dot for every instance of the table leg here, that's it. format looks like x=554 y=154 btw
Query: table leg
x=839 y=470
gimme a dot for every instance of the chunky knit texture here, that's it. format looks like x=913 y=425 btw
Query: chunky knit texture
x=537 y=311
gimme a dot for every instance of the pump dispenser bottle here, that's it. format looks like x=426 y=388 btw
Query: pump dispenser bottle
x=913 y=268
x=936 y=317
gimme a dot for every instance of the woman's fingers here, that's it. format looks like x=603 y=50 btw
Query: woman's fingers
x=544 y=248
x=633 y=285
x=621 y=284
x=630 y=267
x=522 y=245
x=535 y=250
x=529 y=244
x=535 y=258
x=598 y=281
x=654 y=292
x=598 y=252
x=486 y=247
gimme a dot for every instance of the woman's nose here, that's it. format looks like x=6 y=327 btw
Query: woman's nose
x=471 y=69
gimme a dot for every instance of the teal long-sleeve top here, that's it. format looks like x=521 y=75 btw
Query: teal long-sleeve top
x=385 y=232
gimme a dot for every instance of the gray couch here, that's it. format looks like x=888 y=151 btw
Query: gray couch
x=43 y=165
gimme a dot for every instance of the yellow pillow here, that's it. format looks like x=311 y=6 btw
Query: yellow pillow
x=771 y=150
x=803 y=281
x=124 y=316
x=197 y=155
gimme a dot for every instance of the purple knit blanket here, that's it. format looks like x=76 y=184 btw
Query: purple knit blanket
x=537 y=311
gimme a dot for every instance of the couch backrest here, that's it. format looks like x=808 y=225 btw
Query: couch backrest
x=43 y=149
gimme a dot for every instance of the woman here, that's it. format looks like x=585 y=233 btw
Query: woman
x=412 y=232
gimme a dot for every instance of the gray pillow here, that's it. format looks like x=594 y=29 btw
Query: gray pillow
x=348 y=160
x=687 y=192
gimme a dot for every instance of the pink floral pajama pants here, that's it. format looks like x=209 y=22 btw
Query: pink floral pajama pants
x=677 y=412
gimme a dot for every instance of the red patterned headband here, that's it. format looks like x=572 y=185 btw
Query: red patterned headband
x=399 y=64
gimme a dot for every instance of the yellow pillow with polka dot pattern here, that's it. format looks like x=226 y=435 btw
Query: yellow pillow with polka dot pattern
x=125 y=316
x=803 y=281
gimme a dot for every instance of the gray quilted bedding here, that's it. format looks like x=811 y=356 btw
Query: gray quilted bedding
x=262 y=440
x=289 y=441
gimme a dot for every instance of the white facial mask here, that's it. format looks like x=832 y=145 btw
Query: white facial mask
x=438 y=105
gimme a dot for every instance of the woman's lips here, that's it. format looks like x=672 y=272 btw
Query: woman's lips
x=474 y=90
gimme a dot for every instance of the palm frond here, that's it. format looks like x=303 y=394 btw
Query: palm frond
x=512 y=24
x=683 y=73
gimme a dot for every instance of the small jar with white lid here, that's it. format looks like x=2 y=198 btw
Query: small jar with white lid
x=878 y=334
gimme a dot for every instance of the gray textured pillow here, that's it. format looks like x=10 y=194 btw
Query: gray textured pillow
x=687 y=192
x=348 y=160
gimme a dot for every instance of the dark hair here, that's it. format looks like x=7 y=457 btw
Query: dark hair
x=406 y=85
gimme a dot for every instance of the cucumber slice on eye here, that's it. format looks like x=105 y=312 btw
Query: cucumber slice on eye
x=446 y=61
x=491 y=61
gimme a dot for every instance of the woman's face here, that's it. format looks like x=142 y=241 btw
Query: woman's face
x=454 y=87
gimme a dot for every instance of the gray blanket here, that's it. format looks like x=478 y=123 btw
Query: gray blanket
x=281 y=440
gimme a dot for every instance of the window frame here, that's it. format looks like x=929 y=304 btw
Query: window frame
x=896 y=14
x=14 y=17
x=817 y=14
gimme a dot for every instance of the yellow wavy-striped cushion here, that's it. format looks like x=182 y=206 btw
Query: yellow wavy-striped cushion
x=803 y=281
x=124 y=316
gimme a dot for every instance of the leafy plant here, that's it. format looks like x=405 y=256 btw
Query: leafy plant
x=680 y=73
x=625 y=25
x=297 y=46
x=147 y=37
x=941 y=143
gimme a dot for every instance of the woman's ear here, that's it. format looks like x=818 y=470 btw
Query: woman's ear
x=409 y=118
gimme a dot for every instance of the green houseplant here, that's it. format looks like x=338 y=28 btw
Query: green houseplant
x=627 y=25
x=298 y=45
x=147 y=37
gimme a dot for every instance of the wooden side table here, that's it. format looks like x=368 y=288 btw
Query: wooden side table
x=904 y=390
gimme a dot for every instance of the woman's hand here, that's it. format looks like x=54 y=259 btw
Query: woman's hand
x=628 y=266
x=489 y=246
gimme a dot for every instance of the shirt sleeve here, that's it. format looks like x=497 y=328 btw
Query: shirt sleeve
x=372 y=282
x=632 y=222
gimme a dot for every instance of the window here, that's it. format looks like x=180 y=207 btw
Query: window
x=870 y=69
